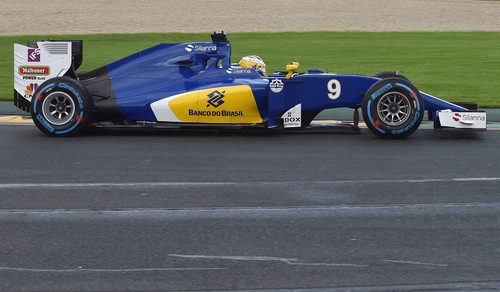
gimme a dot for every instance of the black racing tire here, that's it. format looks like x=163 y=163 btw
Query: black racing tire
x=393 y=108
x=61 y=106
x=390 y=74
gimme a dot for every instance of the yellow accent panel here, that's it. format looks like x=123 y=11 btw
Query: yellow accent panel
x=181 y=105
x=234 y=104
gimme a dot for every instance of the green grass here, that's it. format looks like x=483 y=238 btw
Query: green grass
x=456 y=66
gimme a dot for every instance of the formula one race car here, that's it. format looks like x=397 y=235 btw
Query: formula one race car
x=195 y=84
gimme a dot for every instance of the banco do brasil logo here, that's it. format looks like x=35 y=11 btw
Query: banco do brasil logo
x=215 y=98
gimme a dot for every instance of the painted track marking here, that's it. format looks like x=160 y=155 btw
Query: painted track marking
x=235 y=183
x=80 y=270
x=341 y=211
x=293 y=262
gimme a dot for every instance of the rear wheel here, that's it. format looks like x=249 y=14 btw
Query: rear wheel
x=61 y=107
x=393 y=108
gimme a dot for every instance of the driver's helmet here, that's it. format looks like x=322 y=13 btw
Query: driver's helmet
x=254 y=62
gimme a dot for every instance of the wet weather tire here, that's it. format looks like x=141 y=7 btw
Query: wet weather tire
x=393 y=108
x=61 y=107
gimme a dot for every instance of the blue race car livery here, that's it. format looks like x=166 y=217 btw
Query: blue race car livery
x=195 y=84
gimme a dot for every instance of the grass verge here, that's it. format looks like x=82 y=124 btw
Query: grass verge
x=456 y=66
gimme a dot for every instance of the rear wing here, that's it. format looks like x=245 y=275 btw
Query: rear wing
x=40 y=61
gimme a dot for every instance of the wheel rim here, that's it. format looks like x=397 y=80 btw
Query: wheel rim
x=394 y=109
x=58 y=108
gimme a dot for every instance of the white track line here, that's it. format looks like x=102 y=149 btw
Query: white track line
x=294 y=262
x=79 y=270
x=248 y=183
x=415 y=263
x=232 y=212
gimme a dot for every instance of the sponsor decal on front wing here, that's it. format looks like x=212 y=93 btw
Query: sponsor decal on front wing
x=472 y=120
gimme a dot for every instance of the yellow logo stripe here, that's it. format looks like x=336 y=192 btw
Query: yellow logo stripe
x=233 y=104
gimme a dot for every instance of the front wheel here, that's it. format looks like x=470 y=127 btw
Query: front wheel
x=390 y=74
x=393 y=108
x=61 y=107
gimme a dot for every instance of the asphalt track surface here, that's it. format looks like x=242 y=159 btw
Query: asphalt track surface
x=163 y=210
